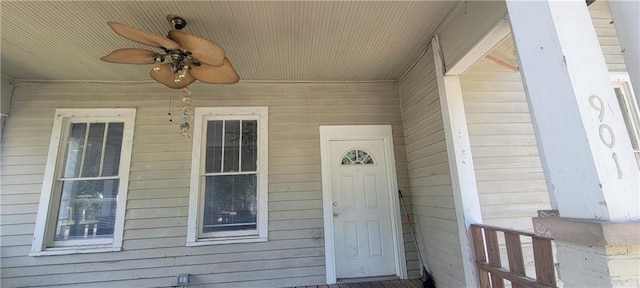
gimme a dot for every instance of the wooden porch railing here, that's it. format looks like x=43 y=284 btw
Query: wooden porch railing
x=491 y=272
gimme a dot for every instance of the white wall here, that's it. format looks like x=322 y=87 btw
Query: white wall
x=431 y=191
x=155 y=226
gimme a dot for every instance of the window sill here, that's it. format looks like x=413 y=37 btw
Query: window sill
x=227 y=240
x=74 y=250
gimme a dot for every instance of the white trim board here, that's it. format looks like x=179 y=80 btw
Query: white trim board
x=499 y=33
x=360 y=132
x=463 y=177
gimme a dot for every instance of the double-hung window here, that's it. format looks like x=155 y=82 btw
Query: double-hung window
x=228 y=198
x=83 y=198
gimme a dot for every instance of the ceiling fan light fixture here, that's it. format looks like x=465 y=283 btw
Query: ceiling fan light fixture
x=184 y=59
x=183 y=72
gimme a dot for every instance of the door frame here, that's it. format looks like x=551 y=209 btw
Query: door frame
x=360 y=132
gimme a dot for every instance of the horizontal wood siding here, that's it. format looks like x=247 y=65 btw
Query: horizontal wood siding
x=509 y=174
x=431 y=191
x=607 y=36
x=154 y=249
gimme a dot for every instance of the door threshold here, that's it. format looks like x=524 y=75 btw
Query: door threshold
x=367 y=279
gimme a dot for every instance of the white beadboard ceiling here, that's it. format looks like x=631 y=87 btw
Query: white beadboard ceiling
x=265 y=40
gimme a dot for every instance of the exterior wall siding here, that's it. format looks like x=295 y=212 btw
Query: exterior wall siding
x=509 y=175
x=154 y=249
x=431 y=191
x=607 y=36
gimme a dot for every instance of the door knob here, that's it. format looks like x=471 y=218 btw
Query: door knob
x=335 y=214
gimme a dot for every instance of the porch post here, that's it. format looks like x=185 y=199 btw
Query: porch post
x=584 y=147
x=627 y=23
x=463 y=177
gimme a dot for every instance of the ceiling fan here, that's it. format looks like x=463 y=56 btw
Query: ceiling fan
x=184 y=57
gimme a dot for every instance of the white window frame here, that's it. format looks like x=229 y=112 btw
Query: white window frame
x=623 y=82
x=43 y=239
x=196 y=194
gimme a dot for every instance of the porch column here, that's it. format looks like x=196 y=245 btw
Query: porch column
x=591 y=172
x=627 y=23
x=463 y=177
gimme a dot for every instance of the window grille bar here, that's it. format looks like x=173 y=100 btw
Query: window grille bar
x=240 y=148
x=230 y=173
x=224 y=139
x=104 y=147
x=89 y=178
x=84 y=148
x=229 y=225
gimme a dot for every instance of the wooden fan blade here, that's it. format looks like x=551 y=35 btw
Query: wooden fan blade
x=202 y=50
x=224 y=74
x=167 y=77
x=131 y=56
x=142 y=37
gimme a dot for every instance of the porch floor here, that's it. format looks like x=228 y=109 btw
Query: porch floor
x=407 y=283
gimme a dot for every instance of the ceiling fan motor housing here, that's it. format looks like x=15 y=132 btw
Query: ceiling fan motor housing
x=176 y=21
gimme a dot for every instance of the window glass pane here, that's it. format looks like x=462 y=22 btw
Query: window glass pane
x=87 y=209
x=75 y=146
x=213 y=157
x=626 y=115
x=357 y=157
x=231 y=146
x=249 y=145
x=230 y=203
x=112 y=151
x=92 y=157
x=351 y=156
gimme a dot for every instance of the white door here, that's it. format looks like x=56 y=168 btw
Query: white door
x=363 y=235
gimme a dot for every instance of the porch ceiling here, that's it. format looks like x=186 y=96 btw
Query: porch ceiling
x=281 y=41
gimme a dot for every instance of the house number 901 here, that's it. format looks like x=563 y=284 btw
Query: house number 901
x=607 y=137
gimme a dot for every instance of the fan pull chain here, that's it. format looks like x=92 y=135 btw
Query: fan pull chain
x=186 y=110
x=170 y=113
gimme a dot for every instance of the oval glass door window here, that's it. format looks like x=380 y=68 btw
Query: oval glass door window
x=357 y=157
